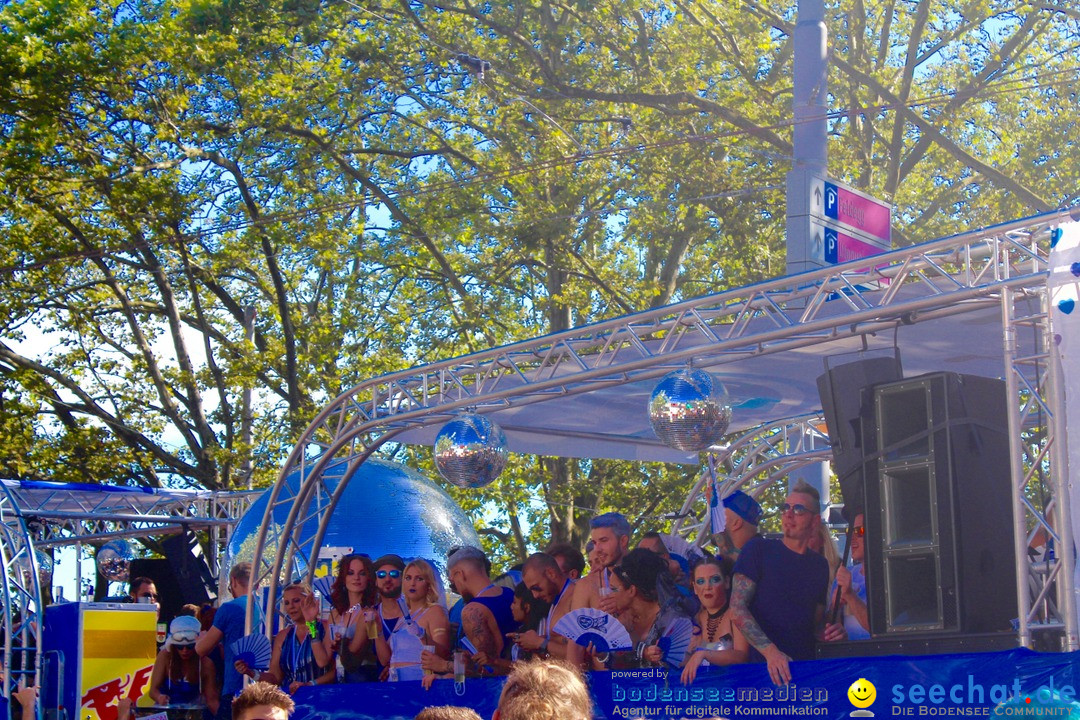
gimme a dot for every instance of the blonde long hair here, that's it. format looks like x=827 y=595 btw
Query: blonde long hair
x=424 y=569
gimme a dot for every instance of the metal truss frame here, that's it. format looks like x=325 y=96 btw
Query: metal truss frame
x=32 y=520
x=986 y=268
x=21 y=594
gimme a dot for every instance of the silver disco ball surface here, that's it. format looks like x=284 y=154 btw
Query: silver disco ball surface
x=114 y=560
x=689 y=410
x=44 y=567
x=470 y=451
x=385 y=508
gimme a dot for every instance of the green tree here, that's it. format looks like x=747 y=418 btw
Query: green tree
x=222 y=214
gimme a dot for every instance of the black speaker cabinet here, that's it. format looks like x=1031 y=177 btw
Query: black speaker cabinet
x=939 y=550
x=846 y=393
x=193 y=576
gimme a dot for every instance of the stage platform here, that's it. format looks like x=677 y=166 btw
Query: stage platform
x=964 y=685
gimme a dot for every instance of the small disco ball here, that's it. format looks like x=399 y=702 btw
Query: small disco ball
x=470 y=451
x=689 y=410
x=44 y=566
x=114 y=560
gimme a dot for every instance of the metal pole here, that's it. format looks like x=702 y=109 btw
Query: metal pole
x=1059 y=481
x=810 y=134
x=809 y=105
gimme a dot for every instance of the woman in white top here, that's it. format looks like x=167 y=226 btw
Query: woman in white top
x=424 y=622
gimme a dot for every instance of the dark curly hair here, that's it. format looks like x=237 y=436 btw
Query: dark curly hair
x=643 y=568
x=339 y=595
x=537 y=609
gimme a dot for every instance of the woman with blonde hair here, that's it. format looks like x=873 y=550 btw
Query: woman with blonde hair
x=424 y=622
x=300 y=656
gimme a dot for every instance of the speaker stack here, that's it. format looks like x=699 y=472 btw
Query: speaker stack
x=933 y=482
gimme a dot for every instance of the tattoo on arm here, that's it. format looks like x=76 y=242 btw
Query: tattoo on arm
x=742 y=592
x=476 y=629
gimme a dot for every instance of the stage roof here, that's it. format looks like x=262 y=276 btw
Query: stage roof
x=612 y=421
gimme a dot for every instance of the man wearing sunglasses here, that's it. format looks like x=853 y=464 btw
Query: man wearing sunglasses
x=143 y=590
x=778 y=595
x=388 y=571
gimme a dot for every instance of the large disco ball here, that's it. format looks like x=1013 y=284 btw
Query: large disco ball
x=114 y=560
x=385 y=508
x=689 y=410
x=470 y=451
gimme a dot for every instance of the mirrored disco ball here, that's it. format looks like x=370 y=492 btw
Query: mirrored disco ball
x=386 y=508
x=689 y=410
x=470 y=451
x=114 y=560
x=44 y=566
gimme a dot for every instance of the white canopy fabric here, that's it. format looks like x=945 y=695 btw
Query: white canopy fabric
x=613 y=422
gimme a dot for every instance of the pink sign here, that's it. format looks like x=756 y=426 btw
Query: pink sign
x=865 y=214
x=841 y=248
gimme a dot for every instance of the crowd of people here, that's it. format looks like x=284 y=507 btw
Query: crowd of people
x=757 y=599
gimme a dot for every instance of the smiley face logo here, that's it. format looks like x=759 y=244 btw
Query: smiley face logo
x=862 y=693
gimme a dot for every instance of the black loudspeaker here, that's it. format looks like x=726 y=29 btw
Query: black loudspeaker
x=193 y=577
x=846 y=393
x=939 y=527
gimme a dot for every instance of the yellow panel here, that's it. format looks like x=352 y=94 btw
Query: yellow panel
x=120 y=644
x=118 y=651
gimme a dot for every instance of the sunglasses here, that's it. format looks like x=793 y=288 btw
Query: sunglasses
x=714 y=580
x=184 y=638
x=798 y=509
x=392 y=573
x=859 y=531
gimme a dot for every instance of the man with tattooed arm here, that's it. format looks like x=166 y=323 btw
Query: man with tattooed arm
x=486 y=618
x=778 y=595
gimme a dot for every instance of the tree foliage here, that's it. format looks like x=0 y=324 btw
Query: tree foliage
x=219 y=214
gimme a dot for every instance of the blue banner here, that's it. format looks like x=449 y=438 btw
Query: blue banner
x=1015 y=683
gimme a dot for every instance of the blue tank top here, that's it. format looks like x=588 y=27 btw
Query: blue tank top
x=181 y=692
x=499 y=605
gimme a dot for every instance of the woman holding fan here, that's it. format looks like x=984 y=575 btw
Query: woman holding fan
x=717 y=640
x=352 y=619
x=648 y=605
x=300 y=657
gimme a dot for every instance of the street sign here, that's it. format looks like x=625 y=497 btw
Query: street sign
x=852 y=210
x=841 y=248
x=831 y=245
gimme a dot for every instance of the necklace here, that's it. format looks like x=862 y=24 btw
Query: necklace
x=712 y=623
